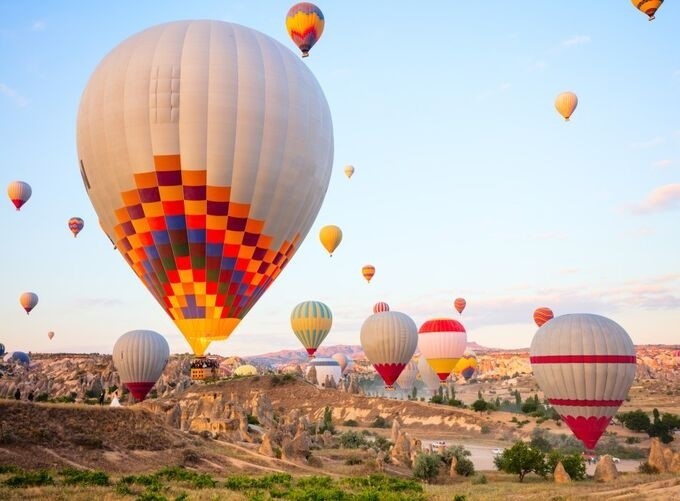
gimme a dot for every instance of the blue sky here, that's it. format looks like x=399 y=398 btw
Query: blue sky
x=467 y=181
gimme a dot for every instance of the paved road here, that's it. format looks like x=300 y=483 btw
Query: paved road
x=482 y=457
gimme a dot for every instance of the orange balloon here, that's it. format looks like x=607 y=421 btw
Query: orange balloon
x=368 y=271
x=542 y=315
x=459 y=304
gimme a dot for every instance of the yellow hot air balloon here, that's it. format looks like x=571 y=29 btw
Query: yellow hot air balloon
x=566 y=103
x=648 y=7
x=311 y=322
x=330 y=237
x=349 y=170
x=368 y=271
x=206 y=150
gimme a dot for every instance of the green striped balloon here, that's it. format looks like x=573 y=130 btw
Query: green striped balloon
x=311 y=322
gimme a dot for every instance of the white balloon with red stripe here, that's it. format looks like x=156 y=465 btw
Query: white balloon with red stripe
x=389 y=340
x=585 y=365
x=140 y=357
x=407 y=378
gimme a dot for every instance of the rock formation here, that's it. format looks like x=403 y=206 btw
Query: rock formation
x=605 y=471
x=663 y=458
x=560 y=475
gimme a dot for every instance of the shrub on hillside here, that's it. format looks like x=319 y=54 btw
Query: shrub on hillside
x=426 y=466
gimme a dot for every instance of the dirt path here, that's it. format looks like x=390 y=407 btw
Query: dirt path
x=65 y=460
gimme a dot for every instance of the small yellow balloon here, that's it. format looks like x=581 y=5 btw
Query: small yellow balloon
x=330 y=237
x=566 y=104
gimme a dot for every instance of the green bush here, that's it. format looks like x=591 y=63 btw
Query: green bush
x=253 y=419
x=381 y=444
x=351 y=423
x=42 y=397
x=352 y=460
x=480 y=479
x=480 y=405
x=636 y=420
x=352 y=440
x=380 y=422
x=574 y=464
x=521 y=459
x=426 y=466
x=9 y=468
x=465 y=467
x=73 y=476
x=30 y=479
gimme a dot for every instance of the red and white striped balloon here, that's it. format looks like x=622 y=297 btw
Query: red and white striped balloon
x=585 y=365
x=380 y=307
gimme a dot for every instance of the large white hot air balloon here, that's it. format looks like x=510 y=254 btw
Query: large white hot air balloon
x=326 y=368
x=428 y=375
x=585 y=365
x=206 y=150
x=389 y=340
x=140 y=357
x=407 y=378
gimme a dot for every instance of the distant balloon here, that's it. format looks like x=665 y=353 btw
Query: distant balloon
x=311 y=322
x=28 y=301
x=50 y=335
x=459 y=304
x=325 y=367
x=407 y=378
x=140 y=357
x=245 y=370
x=542 y=315
x=389 y=340
x=305 y=23
x=467 y=365
x=206 y=150
x=648 y=7
x=585 y=365
x=442 y=342
x=21 y=358
x=428 y=375
x=368 y=271
x=380 y=307
x=75 y=224
x=343 y=360
x=2 y=349
x=349 y=170
x=566 y=103
x=19 y=193
x=330 y=237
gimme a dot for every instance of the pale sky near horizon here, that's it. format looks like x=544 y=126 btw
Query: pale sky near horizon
x=468 y=183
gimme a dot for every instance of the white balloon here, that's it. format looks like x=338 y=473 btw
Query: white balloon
x=140 y=357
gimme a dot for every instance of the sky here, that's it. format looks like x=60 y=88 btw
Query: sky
x=467 y=183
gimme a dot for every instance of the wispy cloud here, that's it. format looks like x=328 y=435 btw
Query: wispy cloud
x=663 y=198
x=12 y=94
x=38 y=25
x=649 y=143
x=663 y=163
x=575 y=40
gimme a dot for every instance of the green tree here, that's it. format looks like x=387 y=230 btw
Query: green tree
x=539 y=440
x=521 y=459
x=480 y=405
x=518 y=399
x=327 y=423
x=636 y=420
x=426 y=466
x=574 y=464
x=414 y=393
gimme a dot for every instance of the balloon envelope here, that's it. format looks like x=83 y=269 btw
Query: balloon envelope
x=585 y=365
x=648 y=7
x=407 y=378
x=566 y=103
x=368 y=271
x=28 y=301
x=19 y=192
x=2 y=349
x=442 y=342
x=50 y=335
x=21 y=358
x=140 y=357
x=428 y=375
x=330 y=237
x=305 y=23
x=311 y=322
x=349 y=170
x=389 y=340
x=459 y=305
x=542 y=315
x=380 y=307
x=325 y=368
x=343 y=360
x=75 y=224
x=245 y=370
x=206 y=150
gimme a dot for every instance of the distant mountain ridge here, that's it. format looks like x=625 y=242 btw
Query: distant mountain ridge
x=355 y=352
